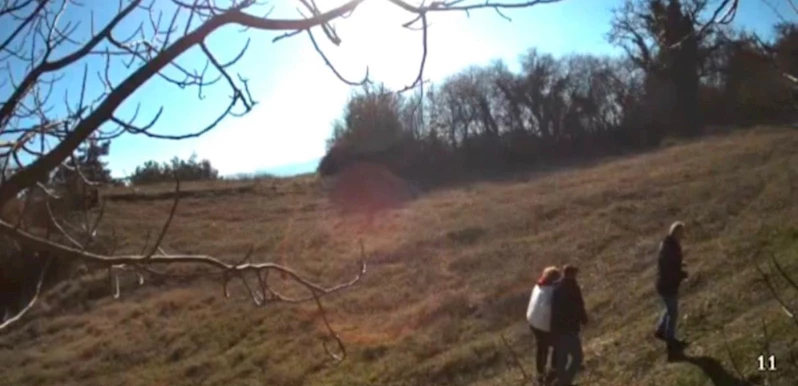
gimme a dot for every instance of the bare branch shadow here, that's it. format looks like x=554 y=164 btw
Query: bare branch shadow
x=715 y=371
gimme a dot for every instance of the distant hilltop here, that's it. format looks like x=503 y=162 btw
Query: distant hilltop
x=288 y=170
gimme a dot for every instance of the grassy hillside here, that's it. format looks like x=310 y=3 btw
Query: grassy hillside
x=448 y=275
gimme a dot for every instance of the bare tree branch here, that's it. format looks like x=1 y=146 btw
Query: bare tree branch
x=516 y=360
x=362 y=82
x=7 y=321
x=42 y=49
x=40 y=244
x=784 y=306
x=724 y=14
x=168 y=222
x=730 y=354
x=333 y=334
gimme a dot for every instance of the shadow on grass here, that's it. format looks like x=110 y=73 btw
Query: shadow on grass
x=715 y=371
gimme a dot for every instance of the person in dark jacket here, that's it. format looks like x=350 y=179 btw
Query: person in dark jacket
x=670 y=274
x=567 y=316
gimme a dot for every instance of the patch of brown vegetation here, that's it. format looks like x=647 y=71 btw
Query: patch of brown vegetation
x=449 y=273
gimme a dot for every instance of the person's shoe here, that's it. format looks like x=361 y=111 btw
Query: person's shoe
x=675 y=355
x=676 y=350
x=550 y=378
x=677 y=344
x=659 y=335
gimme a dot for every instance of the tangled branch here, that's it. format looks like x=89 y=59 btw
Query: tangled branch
x=144 y=264
x=40 y=135
x=769 y=283
x=516 y=360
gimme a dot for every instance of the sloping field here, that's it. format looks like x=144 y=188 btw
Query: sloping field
x=448 y=275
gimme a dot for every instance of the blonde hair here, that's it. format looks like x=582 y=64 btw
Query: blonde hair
x=550 y=274
x=675 y=226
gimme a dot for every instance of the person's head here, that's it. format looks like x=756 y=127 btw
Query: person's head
x=549 y=275
x=677 y=230
x=569 y=271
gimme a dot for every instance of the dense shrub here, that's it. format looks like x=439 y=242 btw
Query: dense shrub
x=186 y=170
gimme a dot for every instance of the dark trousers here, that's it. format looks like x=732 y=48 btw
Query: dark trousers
x=569 y=345
x=544 y=341
x=667 y=322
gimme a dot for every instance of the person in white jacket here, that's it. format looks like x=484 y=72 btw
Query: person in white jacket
x=538 y=314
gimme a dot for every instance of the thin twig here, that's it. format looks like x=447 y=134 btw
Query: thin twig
x=7 y=322
x=331 y=331
x=786 y=308
x=169 y=218
x=515 y=358
x=729 y=353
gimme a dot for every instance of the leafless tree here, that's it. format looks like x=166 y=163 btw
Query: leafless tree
x=726 y=10
x=43 y=42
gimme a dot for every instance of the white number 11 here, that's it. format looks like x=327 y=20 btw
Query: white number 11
x=767 y=364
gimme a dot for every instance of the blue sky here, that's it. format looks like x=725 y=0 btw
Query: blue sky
x=298 y=95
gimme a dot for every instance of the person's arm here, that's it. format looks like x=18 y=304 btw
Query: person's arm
x=556 y=310
x=580 y=303
x=682 y=271
x=671 y=264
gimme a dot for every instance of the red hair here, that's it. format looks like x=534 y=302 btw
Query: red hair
x=549 y=275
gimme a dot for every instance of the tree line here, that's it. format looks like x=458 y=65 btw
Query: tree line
x=678 y=75
x=185 y=170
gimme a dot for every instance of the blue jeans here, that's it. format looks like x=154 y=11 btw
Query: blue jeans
x=568 y=345
x=667 y=322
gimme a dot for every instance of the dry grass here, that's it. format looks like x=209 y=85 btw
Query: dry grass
x=448 y=274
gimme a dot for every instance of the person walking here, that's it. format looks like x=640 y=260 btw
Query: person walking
x=568 y=315
x=538 y=314
x=670 y=274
